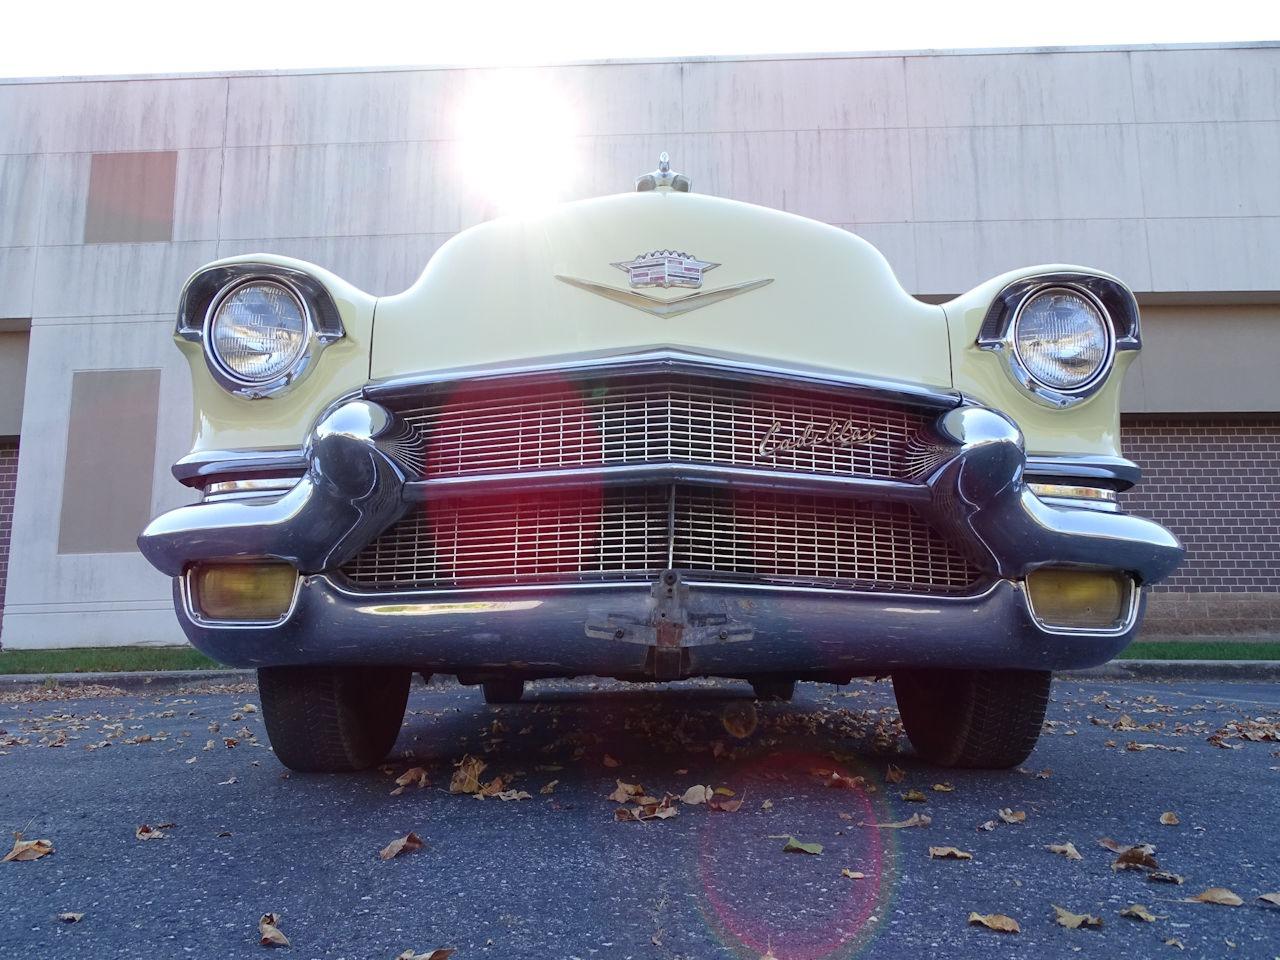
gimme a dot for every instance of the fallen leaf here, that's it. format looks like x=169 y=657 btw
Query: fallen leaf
x=1074 y=921
x=1067 y=849
x=269 y=934
x=767 y=805
x=1135 y=747
x=915 y=820
x=1219 y=895
x=610 y=762
x=1011 y=816
x=852 y=874
x=739 y=719
x=987 y=825
x=1044 y=774
x=491 y=789
x=408 y=843
x=1169 y=818
x=696 y=794
x=723 y=804
x=1161 y=876
x=71 y=917
x=943 y=788
x=466 y=775
x=1137 y=857
x=1271 y=898
x=948 y=853
x=625 y=792
x=230 y=780
x=996 y=921
x=1138 y=912
x=550 y=787
x=27 y=849
x=146 y=832
x=914 y=796
x=798 y=846
x=894 y=774
x=1174 y=942
x=509 y=795
x=443 y=953
x=833 y=778
x=412 y=776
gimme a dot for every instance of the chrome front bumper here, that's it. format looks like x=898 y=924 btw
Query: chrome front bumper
x=357 y=483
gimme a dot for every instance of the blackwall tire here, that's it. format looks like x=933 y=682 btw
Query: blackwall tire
x=972 y=718
x=504 y=690
x=332 y=719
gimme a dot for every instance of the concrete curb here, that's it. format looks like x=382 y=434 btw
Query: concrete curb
x=154 y=681
x=1241 y=671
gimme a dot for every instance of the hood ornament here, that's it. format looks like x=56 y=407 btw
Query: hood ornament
x=666 y=268
x=663 y=177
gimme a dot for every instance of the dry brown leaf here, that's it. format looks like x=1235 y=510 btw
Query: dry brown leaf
x=269 y=934
x=610 y=762
x=625 y=792
x=1074 y=921
x=739 y=719
x=1169 y=818
x=550 y=787
x=491 y=789
x=1067 y=849
x=1011 y=816
x=798 y=846
x=147 y=832
x=833 y=778
x=723 y=804
x=987 y=825
x=943 y=788
x=443 y=953
x=1174 y=942
x=948 y=853
x=1219 y=895
x=915 y=820
x=894 y=774
x=27 y=849
x=1044 y=774
x=852 y=874
x=914 y=796
x=509 y=795
x=1138 y=912
x=1271 y=898
x=696 y=794
x=1137 y=857
x=412 y=776
x=71 y=917
x=408 y=843
x=1163 y=876
x=996 y=921
x=466 y=775
x=656 y=810
x=767 y=805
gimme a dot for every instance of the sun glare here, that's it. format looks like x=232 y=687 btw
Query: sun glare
x=517 y=141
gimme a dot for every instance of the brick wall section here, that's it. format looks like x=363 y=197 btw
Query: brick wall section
x=1215 y=482
x=8 y=480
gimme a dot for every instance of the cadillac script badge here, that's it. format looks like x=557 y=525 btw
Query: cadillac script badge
x=666 y=268
x=838 y=434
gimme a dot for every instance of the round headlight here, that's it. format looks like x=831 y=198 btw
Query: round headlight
x=1062 y=339
x=258 y=331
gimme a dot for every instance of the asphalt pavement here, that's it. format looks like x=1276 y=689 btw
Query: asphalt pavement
x=554 y=875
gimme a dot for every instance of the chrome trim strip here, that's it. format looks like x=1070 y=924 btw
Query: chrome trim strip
x=666 y=472
x=668 y=360
x=1064 y=491
x=1124 y=472
x=664 y=308
x=251 y=487
x=195 y=469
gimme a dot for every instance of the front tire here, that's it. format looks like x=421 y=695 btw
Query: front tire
x=972 y=718
x=332 y=719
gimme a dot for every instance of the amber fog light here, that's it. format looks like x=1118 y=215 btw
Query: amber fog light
x=1089 y=599
x=244 y=591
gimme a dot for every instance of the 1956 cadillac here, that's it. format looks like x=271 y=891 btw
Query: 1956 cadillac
x=654 y=436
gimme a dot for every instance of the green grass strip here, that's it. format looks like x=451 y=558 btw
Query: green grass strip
x=103 y=660
x=1202 y=650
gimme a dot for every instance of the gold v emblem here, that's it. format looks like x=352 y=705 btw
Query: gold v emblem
x=664 y=308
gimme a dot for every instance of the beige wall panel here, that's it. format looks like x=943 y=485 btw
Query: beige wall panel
x=92 y=624
x=1206 y=359
x=17 y=280
x=377 y=265
x=115 y=278
x=1211 y=169
x=160 y=114
x=814 y=94
x=19 y=199
x=1026 y=173
x=13 y=380
x=1019 y=89
x=840 y=176
x=196 y=195
x=953 y=257
x=1214 y=254
x=108 y=589
x=1195 y=85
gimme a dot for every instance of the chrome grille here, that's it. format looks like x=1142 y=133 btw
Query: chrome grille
x=636 y=532
x=551 y=423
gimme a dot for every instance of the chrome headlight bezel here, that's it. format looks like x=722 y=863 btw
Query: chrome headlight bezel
x=1114 y=303
x=209 y=289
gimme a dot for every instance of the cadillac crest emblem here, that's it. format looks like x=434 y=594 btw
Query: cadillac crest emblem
x=666 y=268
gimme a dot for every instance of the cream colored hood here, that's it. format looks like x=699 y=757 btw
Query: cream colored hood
x=544 y=286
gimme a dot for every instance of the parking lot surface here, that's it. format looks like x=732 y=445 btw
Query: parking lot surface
x=555 y=875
